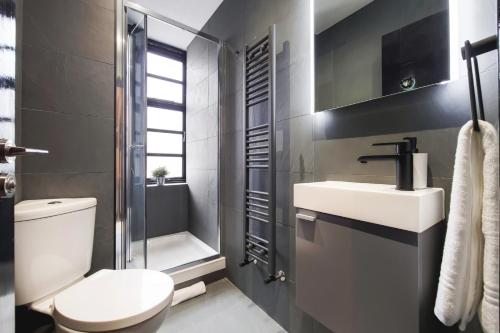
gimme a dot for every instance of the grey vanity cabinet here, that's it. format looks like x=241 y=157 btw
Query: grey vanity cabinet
x=358 y=277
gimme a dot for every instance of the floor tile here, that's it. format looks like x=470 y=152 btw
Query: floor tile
x=224 y=308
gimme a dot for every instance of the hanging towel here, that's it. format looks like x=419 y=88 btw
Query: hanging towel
x=488 y=309
x=469 y=269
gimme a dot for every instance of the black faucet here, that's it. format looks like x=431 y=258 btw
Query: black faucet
x=404 y=161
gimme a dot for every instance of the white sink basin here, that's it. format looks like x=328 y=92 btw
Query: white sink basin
x=375 y=203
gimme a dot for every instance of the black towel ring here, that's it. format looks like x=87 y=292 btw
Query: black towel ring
x=470 y=53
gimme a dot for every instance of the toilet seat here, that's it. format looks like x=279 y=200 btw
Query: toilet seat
x=113 y=299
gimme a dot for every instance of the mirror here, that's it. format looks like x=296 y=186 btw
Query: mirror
x=367 y=49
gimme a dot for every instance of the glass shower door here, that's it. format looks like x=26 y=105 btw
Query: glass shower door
x=135 y=236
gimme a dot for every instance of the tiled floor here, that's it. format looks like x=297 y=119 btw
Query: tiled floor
x=224 y=308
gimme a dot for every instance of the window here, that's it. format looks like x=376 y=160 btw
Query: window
x=166 y=112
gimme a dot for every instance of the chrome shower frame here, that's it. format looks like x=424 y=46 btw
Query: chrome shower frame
x=121 y=156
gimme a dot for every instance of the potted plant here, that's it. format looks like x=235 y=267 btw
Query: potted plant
x=159 y=173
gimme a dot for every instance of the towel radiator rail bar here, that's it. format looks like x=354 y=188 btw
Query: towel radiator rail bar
x=259 y=87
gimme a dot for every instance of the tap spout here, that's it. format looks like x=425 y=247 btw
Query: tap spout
x=367 y=158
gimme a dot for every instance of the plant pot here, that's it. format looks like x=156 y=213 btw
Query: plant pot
x=160 y=180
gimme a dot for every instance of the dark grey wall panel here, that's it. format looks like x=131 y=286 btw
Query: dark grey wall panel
x=202 y=130
x=244 y=22
x=81 y=28
x=167 y=209
x=68 y=107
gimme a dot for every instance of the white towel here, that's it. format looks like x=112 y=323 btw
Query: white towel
x=187 y=293
x=489 y=309
x=470 y=256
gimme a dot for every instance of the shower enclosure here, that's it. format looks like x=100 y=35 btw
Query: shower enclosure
x=167 y=115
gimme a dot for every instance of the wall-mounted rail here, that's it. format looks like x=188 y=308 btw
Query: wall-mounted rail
x=260 y=155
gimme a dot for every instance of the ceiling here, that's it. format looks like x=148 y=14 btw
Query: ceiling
x=330 y=12
x=193 y=13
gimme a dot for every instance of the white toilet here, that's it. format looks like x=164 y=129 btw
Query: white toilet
x=53 y=251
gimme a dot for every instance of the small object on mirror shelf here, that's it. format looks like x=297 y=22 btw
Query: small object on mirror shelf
x=408 y=83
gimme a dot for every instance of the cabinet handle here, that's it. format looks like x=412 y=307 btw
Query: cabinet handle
x=306 y=217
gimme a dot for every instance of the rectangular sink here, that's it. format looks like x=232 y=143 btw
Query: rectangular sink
x=381 y=204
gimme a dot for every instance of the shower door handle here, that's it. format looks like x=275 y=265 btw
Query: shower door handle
x=131 y=147
x=8 y=151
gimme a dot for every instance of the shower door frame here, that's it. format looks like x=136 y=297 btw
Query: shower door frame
x=121 y=172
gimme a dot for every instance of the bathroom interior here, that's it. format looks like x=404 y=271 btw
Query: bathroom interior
x=304 y=166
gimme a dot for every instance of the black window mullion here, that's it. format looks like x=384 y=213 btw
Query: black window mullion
x=164 y=155
x=159 y=77
x=165 y=131
x=161 y=104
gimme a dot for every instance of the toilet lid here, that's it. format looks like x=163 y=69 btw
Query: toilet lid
x=110 y=300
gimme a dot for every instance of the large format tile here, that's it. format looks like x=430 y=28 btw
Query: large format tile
x=197 y=154
x=232 y=112
x=197 y=95
x=70 y=26
x=197 y=61
x=285 y=210
x=54 y=81
x=40 y=69
x=106 y=4
x=75 y=143
x=340 y=155
x=294 y=145
x=222 y=309
x=196 y=124
x=85 y=87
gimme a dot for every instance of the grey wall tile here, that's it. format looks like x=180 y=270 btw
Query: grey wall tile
x=167 y=209
x=85 y=87
x=106 y=4
x=60 y=82
x=294 y=144
x=285 y=212
x=213 y=88
x=232 y=112
x=40 y=69
x=197 y=95
x=76 y=143
x=212 y=148
x=68 y=108
x=72 y=27
x=339 y=156
x=206 y=229
x=213 y=121
x=300 y=78
x=197 y=154
x=232 y=193
x=196 y=123
x=202 y=153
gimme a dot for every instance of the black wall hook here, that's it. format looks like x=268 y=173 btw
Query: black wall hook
x=469 y=54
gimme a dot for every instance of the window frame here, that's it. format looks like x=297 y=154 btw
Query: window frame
x=173 y=53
